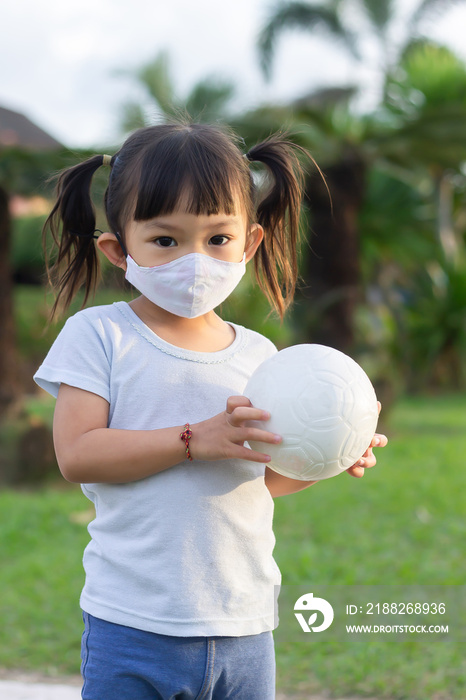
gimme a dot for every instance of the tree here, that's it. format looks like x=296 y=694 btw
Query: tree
x=9 y=375
x=377 y=17
x=27 y=140
x=426 y=107
x=207 y=100
x=332 y=273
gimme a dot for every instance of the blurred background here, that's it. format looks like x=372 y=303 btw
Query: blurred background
x=376 y=90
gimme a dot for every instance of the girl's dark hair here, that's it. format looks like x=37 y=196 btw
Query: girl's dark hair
x=158 y=166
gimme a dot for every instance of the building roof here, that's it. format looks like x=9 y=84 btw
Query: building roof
x=18 y=130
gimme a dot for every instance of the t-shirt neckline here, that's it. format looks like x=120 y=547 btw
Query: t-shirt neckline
x=174 y=350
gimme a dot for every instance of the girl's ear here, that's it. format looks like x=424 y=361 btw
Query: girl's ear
x=108 y=244
x=253 y=240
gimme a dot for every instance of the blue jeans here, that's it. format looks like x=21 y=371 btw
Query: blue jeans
x=129 y=664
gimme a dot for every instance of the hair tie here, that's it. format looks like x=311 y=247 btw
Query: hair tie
x=90 y=235
x=246 y=157
x=106 y=160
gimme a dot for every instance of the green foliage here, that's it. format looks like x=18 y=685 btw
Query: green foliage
x=248 y=306
x=155 y=76
x=396 y=225
x=434 y=71
x=415 y=315
x=429 y=9
x=380 y=13
x=330 y=18
x=26 y=455
x=27 y=255
x=207 y=101
x=35 y=334
x=31 y=172
x=303 y=16
x=426 y=99
x=435 y=323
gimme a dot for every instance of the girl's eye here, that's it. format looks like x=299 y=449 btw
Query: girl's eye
x=165 y=241
x=219 y=240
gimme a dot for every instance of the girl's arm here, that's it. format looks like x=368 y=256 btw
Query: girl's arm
x=279 y=485
x=88 y=451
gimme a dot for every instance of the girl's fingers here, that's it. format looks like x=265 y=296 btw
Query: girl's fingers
x=368 y=459
x=234 y=402
x=379 y=440
x=252 y=456
x=239 y=411
x=258 y=435
x=356 y=471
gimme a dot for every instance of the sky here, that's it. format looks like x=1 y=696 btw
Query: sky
x=69 y=64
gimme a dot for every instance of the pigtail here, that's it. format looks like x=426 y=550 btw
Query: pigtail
x=275 y=262
x=73 y=260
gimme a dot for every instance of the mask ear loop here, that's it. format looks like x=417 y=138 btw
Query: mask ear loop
x=122 y=245
x=117 y=236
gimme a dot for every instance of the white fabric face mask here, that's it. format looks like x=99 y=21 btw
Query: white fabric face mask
x=189 y=286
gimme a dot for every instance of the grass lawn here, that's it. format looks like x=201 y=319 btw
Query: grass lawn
x=403 y=523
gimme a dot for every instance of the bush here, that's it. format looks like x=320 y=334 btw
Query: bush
x=27 y=455
x=27 y=256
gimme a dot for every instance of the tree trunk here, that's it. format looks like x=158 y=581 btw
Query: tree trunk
x=445 y=229
x=9 y=372
x=330 y=270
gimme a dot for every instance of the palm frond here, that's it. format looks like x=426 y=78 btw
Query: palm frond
x=133 y=117
x=156 y=78
x=209 y=98
x=303 y=16
x=429 y=9
x=326 y=98
x=432 y=70
x=380 y=13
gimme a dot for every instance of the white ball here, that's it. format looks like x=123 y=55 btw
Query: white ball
x=323 y=405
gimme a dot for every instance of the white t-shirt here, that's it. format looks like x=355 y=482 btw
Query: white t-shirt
x=187 y=551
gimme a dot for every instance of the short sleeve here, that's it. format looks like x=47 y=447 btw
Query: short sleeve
x=79 y=357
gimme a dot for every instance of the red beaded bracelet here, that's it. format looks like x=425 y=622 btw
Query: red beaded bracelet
x=186 y=436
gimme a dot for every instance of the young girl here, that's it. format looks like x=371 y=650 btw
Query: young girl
x=180 y=584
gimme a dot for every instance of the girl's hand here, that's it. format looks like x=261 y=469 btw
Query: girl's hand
x=224 y=435
x=368 y=459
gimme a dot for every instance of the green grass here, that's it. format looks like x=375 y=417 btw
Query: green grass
x=403 y=523
x=40 y=579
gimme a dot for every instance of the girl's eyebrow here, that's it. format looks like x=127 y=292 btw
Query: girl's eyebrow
x=233 y=221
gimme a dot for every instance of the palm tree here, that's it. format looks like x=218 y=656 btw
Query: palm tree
x=426 y=104
x=378 y=16
x=207 y=100
x=345 y=146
